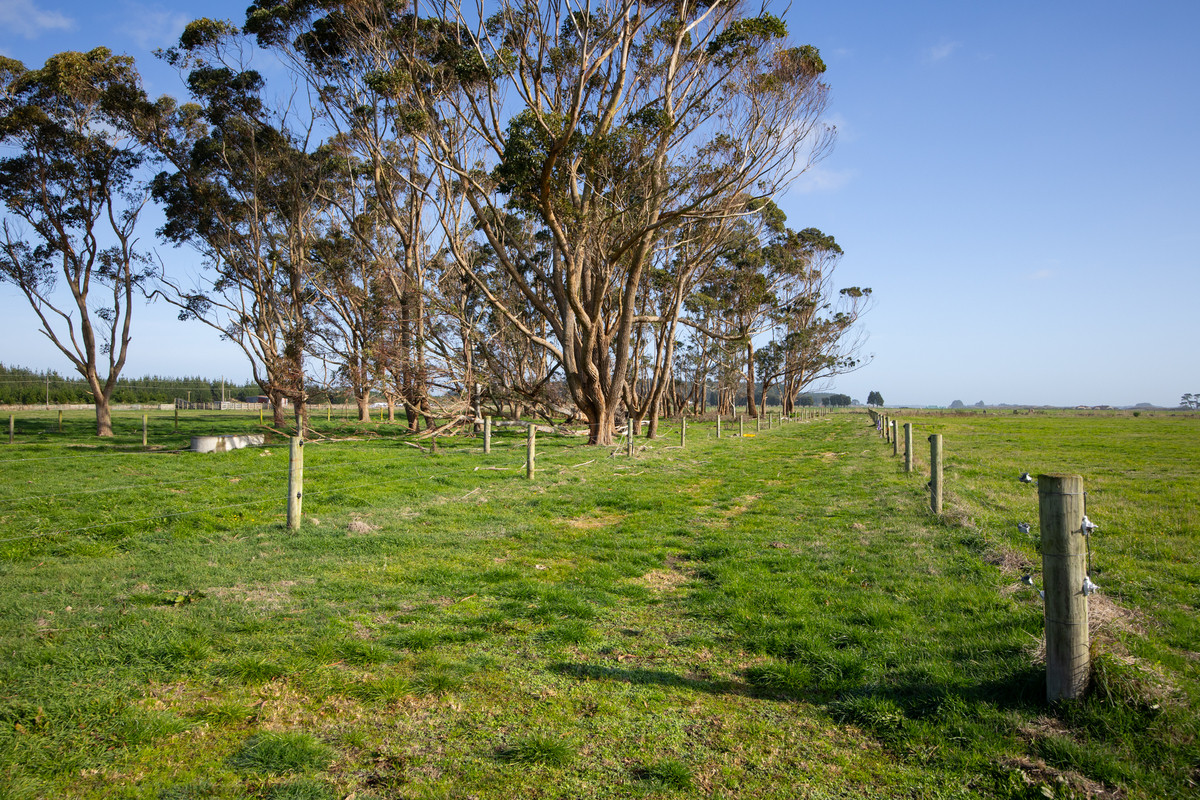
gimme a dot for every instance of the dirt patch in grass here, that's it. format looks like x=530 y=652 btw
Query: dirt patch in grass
x=361 y=526
x=661 y=580
x=272 y=597
x=596 y=521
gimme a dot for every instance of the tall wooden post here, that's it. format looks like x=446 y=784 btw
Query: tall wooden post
x=908 y=454
x=935 y=473
x=895 y=440
x=530 y=452
x=145 y=425
x=758 y=423
x=718 y=426
x=683 y=432
x=487 y=434
x=11 y=426
x=1064 y=567
x=60 y=420
x=741 y=427
x=295 y=482
x=629 y=440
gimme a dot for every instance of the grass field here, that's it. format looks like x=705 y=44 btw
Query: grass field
x=777 y=616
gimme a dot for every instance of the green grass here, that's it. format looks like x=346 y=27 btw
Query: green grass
x=777 y=616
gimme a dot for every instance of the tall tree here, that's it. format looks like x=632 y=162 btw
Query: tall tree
x=72 y=199
x=245 y=192
x=600 y=128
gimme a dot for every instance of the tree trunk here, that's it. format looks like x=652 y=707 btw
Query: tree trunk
x=103 y=416
x=276 y=398
x=364 y=407
x=751 y=406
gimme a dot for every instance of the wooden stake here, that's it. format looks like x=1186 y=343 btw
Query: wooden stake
x=530 y=452
x=935 y=473
x=629 y=440
x=295 y=482
x=60 y=420
x=895 y=440
x=718 y=426
x=487 y=435
x=908 y=455
x=11 y=425
x=145 y=425
x=1064 y=567
x=683 y=432
x=741 y=427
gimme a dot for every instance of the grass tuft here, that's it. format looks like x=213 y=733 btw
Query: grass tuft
x=275 y=753
x=669 y=773
x=538 y=748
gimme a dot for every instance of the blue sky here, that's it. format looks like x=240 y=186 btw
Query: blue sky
x=1018 y=182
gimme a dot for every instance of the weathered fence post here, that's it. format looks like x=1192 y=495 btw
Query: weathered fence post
x=1064 y=568
x=908 y=454
x=629 y=440
x=11 y=425
x=935 y=473
x=487 y=434
x=295 y=482
x=758 y=423
x=530 y=451
x=145 y=425
x=895 y=440
x=741 y=426
x=60 y=420
x=718 y=426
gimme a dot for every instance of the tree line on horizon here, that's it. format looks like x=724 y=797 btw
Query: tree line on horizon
x=550 y=210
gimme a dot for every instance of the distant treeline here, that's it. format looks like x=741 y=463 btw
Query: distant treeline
x=21 y=386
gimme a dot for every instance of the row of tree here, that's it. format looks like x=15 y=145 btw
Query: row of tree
x=554 y=207
x=21 y=386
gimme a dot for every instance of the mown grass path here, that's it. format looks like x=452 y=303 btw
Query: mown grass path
x=775 y=616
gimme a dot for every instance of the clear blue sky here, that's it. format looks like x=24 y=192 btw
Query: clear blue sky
x=1018 y=182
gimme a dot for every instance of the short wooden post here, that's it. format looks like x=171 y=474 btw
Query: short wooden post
x=60 y=420
x=741 y=426
x=629 y=440
x=683 y=431
x=1064 y=568
x=11 y=425
x=758 y=423
x=895 y=440
x=295 y=482
x=145 y=425
x=935 y=473
x=908 y=455
x=530 y=452
x=718 y=426
x=487 y=434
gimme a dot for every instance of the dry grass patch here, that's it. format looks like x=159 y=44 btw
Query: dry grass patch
x=271 y=597
x=595 y=521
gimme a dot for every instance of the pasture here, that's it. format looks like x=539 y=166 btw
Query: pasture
x=775 y=616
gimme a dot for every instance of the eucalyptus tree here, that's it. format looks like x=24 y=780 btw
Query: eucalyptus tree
x=602 y=127
x=814 y=334
x=245 y=191
x=72 y=196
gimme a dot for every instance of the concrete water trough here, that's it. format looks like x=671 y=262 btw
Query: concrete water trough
x=225 y=443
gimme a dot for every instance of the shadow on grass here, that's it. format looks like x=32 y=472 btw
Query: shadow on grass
x=1023 y=689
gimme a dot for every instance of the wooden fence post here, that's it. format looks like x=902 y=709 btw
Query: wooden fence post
x=682 y=432
x=487 y=434
x=1064 y=568
x=629 y=440
x=530 y=452
x=741 y=426
x=895 y=440
x=718 y=426
x=11 y=425
x=145 y=425
x=908 y=454
x=935 y=473
x=295 y=482
x=60 y=420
